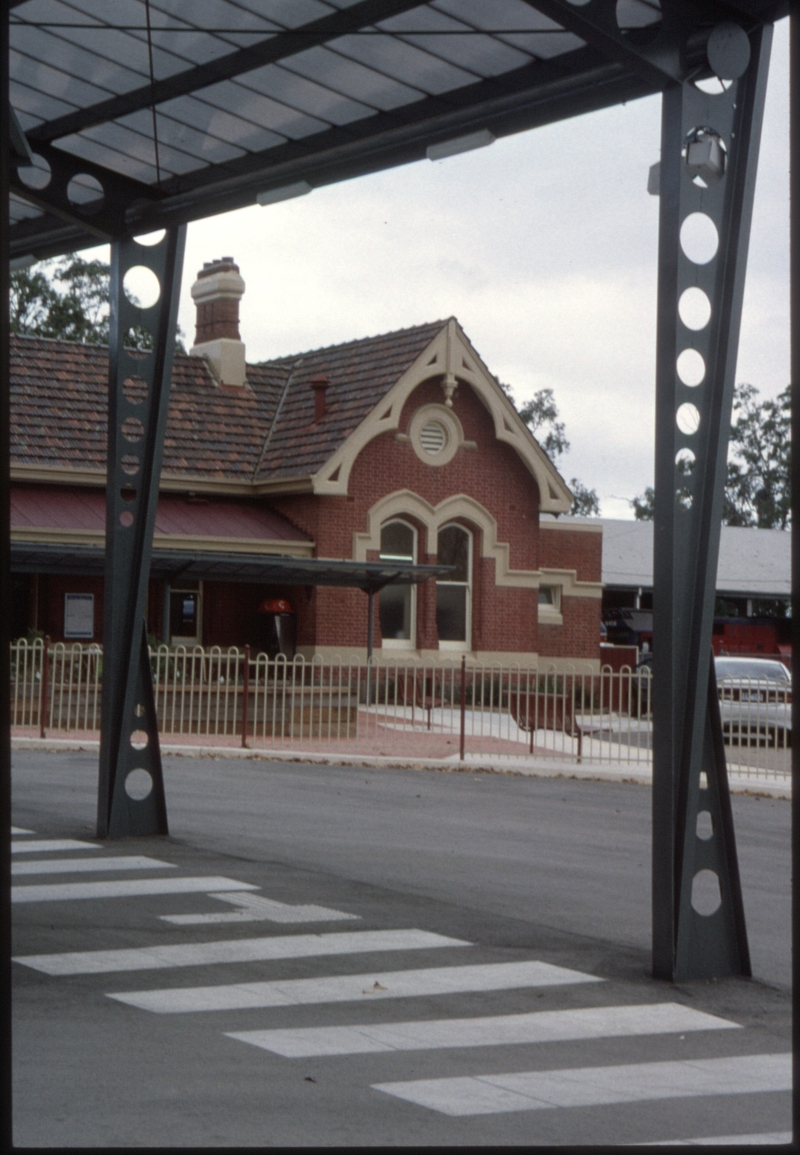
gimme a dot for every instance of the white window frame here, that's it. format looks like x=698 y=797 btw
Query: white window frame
x=409 y=643
x=550 y=612
x=466 y=645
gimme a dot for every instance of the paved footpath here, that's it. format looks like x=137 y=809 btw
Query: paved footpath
x=193 y=991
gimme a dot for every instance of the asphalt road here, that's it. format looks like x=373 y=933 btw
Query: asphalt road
x=526 y=871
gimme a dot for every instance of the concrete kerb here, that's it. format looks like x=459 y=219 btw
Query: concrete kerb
x=630 y=774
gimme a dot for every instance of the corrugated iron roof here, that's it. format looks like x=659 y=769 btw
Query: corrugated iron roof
x=752 y=562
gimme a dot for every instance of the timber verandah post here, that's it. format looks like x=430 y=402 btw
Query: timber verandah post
x=138 y=402
x=703 y=238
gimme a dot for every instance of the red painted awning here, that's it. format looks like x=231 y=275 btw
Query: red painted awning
x=84 y=510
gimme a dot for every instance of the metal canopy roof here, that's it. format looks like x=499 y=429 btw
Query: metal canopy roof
x=207 y=565
x=143 y=113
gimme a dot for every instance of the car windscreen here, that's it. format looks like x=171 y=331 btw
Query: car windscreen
x=741 y=668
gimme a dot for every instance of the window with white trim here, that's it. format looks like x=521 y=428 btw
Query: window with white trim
x=454 y=593
x=185 y=613
x=398 y=603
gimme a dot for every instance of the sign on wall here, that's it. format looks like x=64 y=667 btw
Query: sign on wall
x=78 y=615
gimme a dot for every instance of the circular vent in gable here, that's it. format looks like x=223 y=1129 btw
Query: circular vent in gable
x=433 y=437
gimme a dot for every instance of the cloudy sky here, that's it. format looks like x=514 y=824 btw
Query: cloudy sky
x=543 y=246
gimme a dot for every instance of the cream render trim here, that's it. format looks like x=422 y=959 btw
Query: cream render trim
x=567 y=579
x=404 y=502
x=411 y=658
x=192 y=542
x=450 y=356
x=571 y=526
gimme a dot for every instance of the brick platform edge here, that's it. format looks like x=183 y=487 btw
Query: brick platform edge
x=594 y=772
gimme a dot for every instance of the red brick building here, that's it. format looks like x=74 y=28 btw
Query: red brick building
x=401 y=446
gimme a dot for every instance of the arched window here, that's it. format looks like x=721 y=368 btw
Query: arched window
x=398 y=603
x=453 y=593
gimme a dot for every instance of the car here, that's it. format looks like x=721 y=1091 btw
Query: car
x=755 y=700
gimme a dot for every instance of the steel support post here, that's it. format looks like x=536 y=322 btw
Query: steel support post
x=709 y=153
x=130 y=796
x=794 y=201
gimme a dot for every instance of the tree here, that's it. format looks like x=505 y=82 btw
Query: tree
x=540 y=414
x=75 y=311
x=759 y=464
x=69 y=300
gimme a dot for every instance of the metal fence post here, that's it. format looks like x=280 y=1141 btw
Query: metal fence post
x=245 y=695
x=45 y=691
x=463 y=705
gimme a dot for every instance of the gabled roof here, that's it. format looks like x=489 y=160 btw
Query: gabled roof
x=262 y=437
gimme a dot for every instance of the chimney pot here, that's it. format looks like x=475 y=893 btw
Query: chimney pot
x=319 y=384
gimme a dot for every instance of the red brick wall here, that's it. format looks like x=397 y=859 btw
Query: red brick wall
x=579 y=636
x=572 y=549
x=503 y=618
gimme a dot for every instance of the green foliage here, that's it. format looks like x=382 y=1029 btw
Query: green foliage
x=759 y=461
x=68 y=300
x=540 y=414
x=757 y=487
x=65 y=299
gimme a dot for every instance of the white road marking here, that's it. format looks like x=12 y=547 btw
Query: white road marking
x=487 y=1031
x=21 y=830
x=45 y=844
x=79 y=865
x=235 y=950
x=124 y=888
x=595 y=1086
x=255 y=908
x=358 y=988
x=726 y=1140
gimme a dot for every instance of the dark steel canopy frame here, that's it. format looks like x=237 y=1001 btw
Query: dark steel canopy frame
x=152 y=124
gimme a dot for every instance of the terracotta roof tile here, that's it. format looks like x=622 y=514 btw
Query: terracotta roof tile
x=58 y=406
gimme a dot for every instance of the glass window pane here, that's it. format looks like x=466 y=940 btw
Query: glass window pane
x=395 y=612
x=546 y=596
x=451 y=613
x=397 y=541
x=454 y=550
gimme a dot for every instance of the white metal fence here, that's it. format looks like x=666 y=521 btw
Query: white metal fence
x=459 y=709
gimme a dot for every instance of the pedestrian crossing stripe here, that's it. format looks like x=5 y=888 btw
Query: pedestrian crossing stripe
x=82 y=865
x=42 y=845
x=124 y=888
x=236 y=950
x=349 y=988
x=256 y=908
x=486 y=1031
x=760 y=1140
x=21 y=830
x=596 y=1086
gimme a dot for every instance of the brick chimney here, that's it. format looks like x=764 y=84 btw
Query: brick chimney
x=216 y=293
x=319 y=384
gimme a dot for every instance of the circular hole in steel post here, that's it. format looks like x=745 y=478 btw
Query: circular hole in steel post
x=86 y=193
x=138 y=342
x=36 y=175
x=139 y=739
x=135 y=389
x=713 y=86
x=138 y=784
x=126 y=519
x=706 y=896
x=705 y=825
x=132 y=429
x=694 y=308
x=138 y=710
x=128 y=493
x=688 y=418
x=141 y=286
x=691 y=367
x=699 y=238
x=150 y=239
x=130 y=464
x=685 y=459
